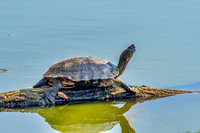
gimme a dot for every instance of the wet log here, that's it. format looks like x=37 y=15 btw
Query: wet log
x=35 y=96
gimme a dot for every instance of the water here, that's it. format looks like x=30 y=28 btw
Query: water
x=36 y=34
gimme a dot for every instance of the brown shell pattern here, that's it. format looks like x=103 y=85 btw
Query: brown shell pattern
x=83 y=68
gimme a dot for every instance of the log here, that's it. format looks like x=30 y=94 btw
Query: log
x=34 y=97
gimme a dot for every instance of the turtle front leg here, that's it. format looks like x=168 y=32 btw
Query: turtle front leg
x=124 y=86
x=51 y=92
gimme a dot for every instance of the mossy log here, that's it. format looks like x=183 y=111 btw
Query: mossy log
x=35 y=96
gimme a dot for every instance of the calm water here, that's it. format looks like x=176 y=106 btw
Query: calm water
x=36 y=34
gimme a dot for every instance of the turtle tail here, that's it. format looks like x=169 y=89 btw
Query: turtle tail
x=43 y=82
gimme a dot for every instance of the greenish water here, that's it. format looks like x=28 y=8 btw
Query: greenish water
x=167 y=115
x=36 y=34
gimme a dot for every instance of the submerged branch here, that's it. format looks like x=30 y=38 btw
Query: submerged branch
x=3 y=70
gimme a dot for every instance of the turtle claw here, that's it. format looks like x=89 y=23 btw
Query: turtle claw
x=62 y=95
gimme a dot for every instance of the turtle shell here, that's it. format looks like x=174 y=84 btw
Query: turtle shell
x=83 y=68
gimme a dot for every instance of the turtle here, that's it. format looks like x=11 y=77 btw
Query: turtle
x=85 y=72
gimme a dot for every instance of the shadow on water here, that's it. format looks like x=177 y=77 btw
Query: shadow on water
x=3 y=70
x=93 y=117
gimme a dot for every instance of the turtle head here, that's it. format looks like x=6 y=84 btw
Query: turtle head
x=125 y=56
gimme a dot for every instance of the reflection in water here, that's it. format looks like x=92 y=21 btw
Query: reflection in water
x=3 y=70
x=87 y=118
x=92 y=118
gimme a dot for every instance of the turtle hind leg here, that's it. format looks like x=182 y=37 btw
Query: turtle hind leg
x=124 y=86
x=51 y=92
x=43 y=82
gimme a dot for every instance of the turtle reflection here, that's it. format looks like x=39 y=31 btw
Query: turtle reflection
x=91 y=118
